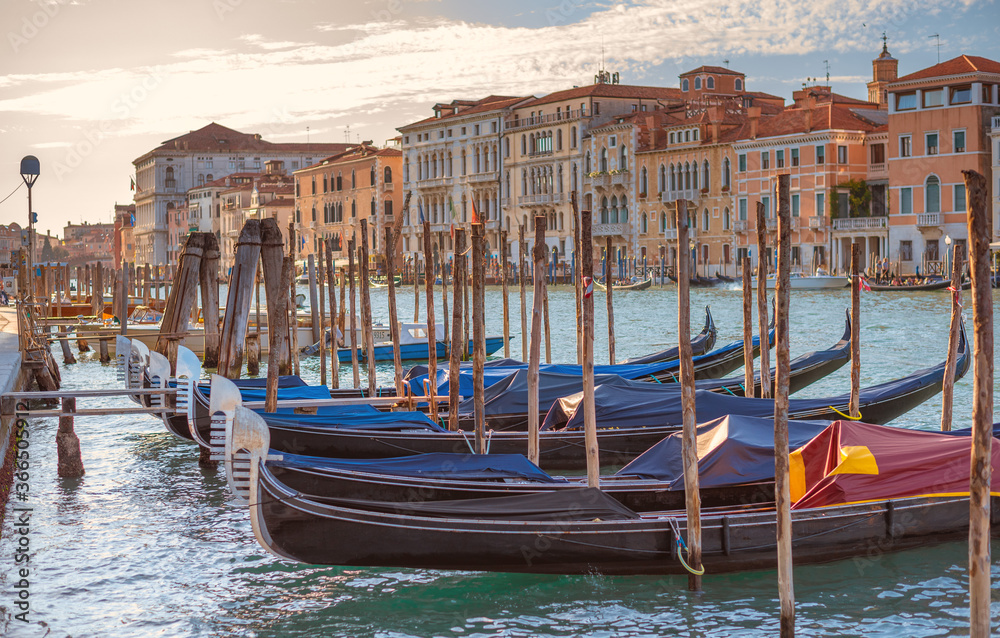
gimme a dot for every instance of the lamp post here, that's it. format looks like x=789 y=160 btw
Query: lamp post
x=947 y=242
x=29 y=173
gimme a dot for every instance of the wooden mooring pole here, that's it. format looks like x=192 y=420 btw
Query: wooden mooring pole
x=321 y=275
x=578 y=280
x=431 y=325
x=981 y=470
x=539 y=253
x=589 y=414
x=353 y=319
x=854 y=405
x=689 y=440
x=275 y=269
x=522 y=271
x=177 y=314
x=504 y=269
x=234 y=324
x=253 y=336
x=391 y=240
x=455 y=352
x=762 y=313
x=366 y=310
x=70 y=460
x=948 y=385
x=332 y=280
x=748 y=380
x=782 y=488
x=611 y=307
x=478 y=335
x=209 y=275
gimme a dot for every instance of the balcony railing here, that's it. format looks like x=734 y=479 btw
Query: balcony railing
x=623 y=177
x=539 y=198
x=878 y=170
x=515 y=124
x=817 y=221
x=671 y=196
x=861 y=223
x=743 y=226
x=929 y=219
x=605 y=230
x=478 y=178
x=996 y=123
x=387 y=186
x=670 y=233
x=598 y=181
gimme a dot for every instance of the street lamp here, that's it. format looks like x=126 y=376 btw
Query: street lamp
x=947 y=242
x=29 y=173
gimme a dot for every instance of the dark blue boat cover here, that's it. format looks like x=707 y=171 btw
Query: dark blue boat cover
x=385 y=421
x=731 y=450
x=287 y=394
x=284 y=381
x=436 y=466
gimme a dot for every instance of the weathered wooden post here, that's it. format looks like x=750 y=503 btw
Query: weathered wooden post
x=334 y=355
x=467 y=307
x=342 y=313
x=391 y=240
x=545 y=321
x=416 y=289
x=321 y=276
x=539 y=253
x=504 y=267
x=70 y=463
x=431 y=327
x=353 y=319
x=147 y=276
x=209 y=275
x=981 y=470
x=611 y=309
x=478 y=336
x=317 y=330
x=589 y=414
x=748 y=380
x=293 y=319
x=782 y=488
x=97 y=307
x=855 y=407
x=177 y=314
x=762 y=313
x=440 y=261
x=275 y=268
x=366 y=309
x=234 y=324
x=522 y=271
x=948 y=384
x=454 y=362
x=689 y=445
x=253 y=336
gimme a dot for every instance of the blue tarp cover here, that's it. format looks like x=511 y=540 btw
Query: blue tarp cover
x=731 y=450
x=356 y=421
x=438 y=466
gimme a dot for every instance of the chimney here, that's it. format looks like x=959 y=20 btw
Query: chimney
x=715 y=117
x=808 y=105
x=754 y=114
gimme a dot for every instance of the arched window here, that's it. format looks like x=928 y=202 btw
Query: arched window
x=739 y=84
x=387 y=175
x=506 y=147
x=587 y=163
x=642 y=182
x=201 y=179
x=932 y=195
x=684 y=84
x=613 y=210
x=561 y=221
x=387 y=209
x=645 y=224
x=710 y=83
x=354 y=208
x=604 y=160
x=372 y=175
x=704 y=220
x=524 y=182
x=725 y=173
x=697 y=84
x=623 y=210
x=687 y=136
x=604 y=210
x=574 y=182
x=524 y=145
x=572 y=137
x=663 y=222
x=208 y=177
x=622 y=158
x=560 y=178
x=694 y=175
x=340 y=182
x=725 y=219
x=661 y=184
x=673 y=137
x=449 y=166
x=694 y=134
x=354 y=179
x=559 y=139
x=673 y=179
x=506 y=180
x=705 y=175
x=687 y=176
x=374 y=212
x=463 y=160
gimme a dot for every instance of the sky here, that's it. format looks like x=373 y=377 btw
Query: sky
x=87 y=86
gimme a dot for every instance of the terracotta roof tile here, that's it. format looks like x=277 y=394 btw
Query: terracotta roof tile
x=216 y=137
x=711 y=69
x=955 y=66
x=610 y=91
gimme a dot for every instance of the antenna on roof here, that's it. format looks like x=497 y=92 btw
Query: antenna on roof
x=307 y=135
x=938 y=36
x=347 y=134
x=726 y=62
x=827 y=63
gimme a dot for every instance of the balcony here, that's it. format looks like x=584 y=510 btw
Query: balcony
x=609 y=230
x=601 y=180
x=817 y=222
x=743 y=226
x=671 y=196
x=387 y=186
x=928 y=219
x=670 y=234
x=548 y=118
x=436 y=182
x=540 y=198
x=622 y=178
x=878 y=171
x=861 y=223
x=996 y=123
x=479 y=178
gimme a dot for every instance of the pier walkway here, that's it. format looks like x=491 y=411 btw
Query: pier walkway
x=10 y=356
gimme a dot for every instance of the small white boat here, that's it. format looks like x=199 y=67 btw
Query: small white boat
x=806 y=282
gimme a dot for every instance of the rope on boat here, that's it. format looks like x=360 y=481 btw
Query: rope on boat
x=731 y=392
x=847 y=416
x=681 y=545
x=472 y=450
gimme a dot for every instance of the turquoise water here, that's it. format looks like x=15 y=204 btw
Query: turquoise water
x=149 y=544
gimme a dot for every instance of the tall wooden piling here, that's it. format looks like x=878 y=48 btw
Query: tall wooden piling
x=70 y=461
x=522 y=271
x=209 y=276
x=274 y=267
x=253 y=336
x=589 y=414
x=611 y=309
x=539 y=253
x=366 y=310
x=431 y=325
x=332 y=280
x=948 y=384
x=467 y=307
x=545 y=321
x=391 y=240
x=317 y=330
x=504 y=268
x=748 y=380
x=321 y=275
x=177 y=314
x=577 y=283
x=689 y=441
x=455 y=352
x=782 y=488
x=478 y=335
x=762 y=313
x=353 y=319
x=234 y=324
x=981 y=470
x=854 y=405
x=416 y=289
x=342 y=313
x=97 y=297
x=440 y=261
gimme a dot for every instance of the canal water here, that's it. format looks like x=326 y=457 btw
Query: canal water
x=149 y=544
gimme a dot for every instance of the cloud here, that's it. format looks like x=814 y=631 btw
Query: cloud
x=258 y=40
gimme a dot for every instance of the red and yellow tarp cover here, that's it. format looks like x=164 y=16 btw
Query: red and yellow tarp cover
x=851 y=462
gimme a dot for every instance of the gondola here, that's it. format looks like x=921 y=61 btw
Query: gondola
x=723 y=278
x=638 y=285
x=619 y=440
x=696 y=281
x=586 y=531
x=944 y=284
x=700 y=344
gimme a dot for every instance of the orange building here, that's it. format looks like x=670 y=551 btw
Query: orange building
x=939 y=124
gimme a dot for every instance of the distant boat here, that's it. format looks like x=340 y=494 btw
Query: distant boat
x=637 y=285
x=807 y=282
x=412 y=343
